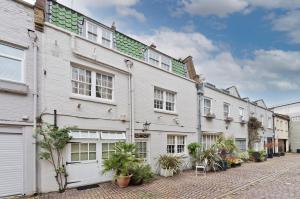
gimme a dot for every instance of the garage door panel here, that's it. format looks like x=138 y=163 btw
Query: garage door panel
x=11 y=164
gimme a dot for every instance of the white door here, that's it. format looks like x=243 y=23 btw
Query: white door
x=11 y=164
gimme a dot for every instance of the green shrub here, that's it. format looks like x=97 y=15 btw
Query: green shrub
x=170 y=162
x=262 y=155
x=141 y=173
x=194 y=149
x=244 y=156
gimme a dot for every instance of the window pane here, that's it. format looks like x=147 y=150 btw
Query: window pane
x=171 y=139
x=10 y=69
x=92 y=147
x=92 y=156
x=104 y=147
x=104 y=155
x=84 y=156
x=11 y=51
x=84 y=147
x=75 y=157
x=74 y=147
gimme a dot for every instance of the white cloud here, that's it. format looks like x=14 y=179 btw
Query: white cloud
x=268 y=70
x=123 y=7
x=223 y=8
x=220 y=8
x=289 y=23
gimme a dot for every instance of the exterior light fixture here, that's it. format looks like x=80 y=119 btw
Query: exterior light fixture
x=146 y=126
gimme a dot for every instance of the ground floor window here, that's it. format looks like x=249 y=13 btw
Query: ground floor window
x=175 y=144
x=107 y=150
x=141 y=147
x=241 y=144
x=83 y=151
x=208 y=141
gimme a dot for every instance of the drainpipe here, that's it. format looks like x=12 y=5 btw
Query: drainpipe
x=33 y=37
x=129 y=65
x=199 y=87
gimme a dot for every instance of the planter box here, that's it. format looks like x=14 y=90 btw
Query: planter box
x=166 y=172
x=298 y=150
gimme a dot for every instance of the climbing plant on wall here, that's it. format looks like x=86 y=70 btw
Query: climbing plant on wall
x=253 y=126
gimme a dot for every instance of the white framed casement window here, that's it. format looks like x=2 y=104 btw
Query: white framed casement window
x=91 y=31
x=92 y=84
x=241 y=144
x=12 y=63
x=242 y=113
x=108 y=149
x=106 y=38
x=166 y=63
x=142 y=149
x=81 y=81
x=262 y=120
x=164 y=100
x=208 y=141
x=269 y=122
x=83 y=151
x=207 y=106
x=176 y=144
x=226 y=109
x=154 y=58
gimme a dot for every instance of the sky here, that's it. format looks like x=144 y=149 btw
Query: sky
x=252 y=44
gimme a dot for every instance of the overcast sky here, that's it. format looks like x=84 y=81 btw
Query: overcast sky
x=253 y=44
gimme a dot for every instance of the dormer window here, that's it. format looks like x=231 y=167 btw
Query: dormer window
x=92 y=32
x=153 y=58
x=106 y=38
x=165 y=63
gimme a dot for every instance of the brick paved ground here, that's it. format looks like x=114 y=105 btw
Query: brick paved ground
x=277 y=178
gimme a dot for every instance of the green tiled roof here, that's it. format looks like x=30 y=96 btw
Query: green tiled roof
x=129 y=46
x=178 y=67
x=65 y=18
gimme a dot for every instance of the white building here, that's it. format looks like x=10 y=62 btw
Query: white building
x=17 y=93
x=281 y=127
x=112 y=88
x=293 y=111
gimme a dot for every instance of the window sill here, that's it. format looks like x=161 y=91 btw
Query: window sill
x=13 y=87
x=91 y=99
x=165 y=112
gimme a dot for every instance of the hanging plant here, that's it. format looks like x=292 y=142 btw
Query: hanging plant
x=253 y=126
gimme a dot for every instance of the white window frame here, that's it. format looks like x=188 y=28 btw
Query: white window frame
x=93 y=86
x=164 y=63
x=224 y=113
x=204 y=106
x=208 y=140
x=241 y=140
x=144 y=140
x=262 y=120
x=176 y=145
x=109 y=143
x=83 y=142
x=160 y=58
x=269 y=122
x=164 y=92
x=152 y=52
x=242 y=110
x=99 y=31
x=22 y=60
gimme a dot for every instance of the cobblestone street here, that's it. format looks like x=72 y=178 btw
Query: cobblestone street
x=276 y=178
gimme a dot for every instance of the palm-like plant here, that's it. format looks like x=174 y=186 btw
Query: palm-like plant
x=213 y=158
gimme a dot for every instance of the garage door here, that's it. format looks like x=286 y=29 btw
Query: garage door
x=11 y=164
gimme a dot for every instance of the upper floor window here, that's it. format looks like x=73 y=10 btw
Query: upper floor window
x=226 y=108
x=90 y=83
x=262 y=120
x=164 y=100
x=92 y=32
x=207 y=106
x=106 y=37
x=153 y=58
x=81 y=81
x=165 y=63
x=175 y=144
x=269 y=122
x=242 y=113
x=11 y=63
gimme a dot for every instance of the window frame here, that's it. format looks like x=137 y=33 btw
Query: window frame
x=242 y=117
x=269 y=122
x=159 y=60
x=94 y=34
x=11 y=57
x=164 y=100
x=204 y=107
x=79 y=151
x=143 y=140
x=176 y=144
x=239 y=146
x=210 y=139
x=224 y=113
x=99 y=34
x=93 y=95
x=108 y=151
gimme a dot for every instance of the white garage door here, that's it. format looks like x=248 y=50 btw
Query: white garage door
x=11 y=164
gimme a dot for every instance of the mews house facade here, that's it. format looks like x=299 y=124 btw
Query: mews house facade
x=112 y=88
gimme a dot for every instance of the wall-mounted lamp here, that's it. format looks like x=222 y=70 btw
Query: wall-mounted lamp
x=128 y=63
x=146 y=126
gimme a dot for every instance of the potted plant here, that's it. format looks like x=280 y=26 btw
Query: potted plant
x=140 y=173
x=194 y=151
x=169 y=165
x=213 y=158
x=121 y=162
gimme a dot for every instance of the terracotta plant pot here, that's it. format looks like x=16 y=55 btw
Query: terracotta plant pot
x=123 y=181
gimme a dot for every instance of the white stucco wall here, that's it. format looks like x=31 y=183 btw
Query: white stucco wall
x=16 y=99
x=61 y=49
